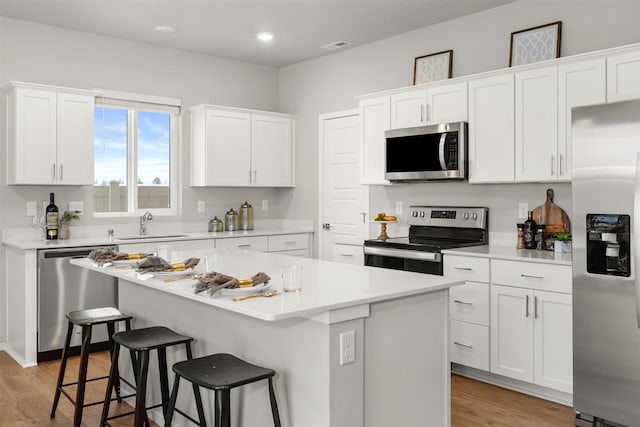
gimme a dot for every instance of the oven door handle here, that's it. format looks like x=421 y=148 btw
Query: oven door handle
x=443 y=139
x=401 y=253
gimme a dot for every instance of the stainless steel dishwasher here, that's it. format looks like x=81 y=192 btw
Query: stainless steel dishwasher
x=63 y=287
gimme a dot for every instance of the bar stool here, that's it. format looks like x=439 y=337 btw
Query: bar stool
x=86 y=319
x=221 y=372
x=141 y=342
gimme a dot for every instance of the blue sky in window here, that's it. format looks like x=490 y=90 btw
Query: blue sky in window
x=110 y=146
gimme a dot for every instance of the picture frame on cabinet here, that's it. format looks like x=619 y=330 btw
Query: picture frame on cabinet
x=535 y=44
x=432 y=67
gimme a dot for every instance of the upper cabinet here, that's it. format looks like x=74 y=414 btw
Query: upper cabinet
x=375 y=119
x=491 y=129
x=622 y=76
x=438 y=104
x=49 y=135
x=233 y=147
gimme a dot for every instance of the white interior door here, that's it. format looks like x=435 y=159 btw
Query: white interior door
x=344 y=202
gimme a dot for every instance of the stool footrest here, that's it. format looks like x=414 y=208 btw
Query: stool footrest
x=86 y=381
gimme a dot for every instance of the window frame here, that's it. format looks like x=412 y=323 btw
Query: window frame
x=133 y=103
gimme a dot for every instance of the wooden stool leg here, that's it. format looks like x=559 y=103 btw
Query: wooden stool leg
x=63 y=367
x=217 y=404
x=112 y=373
x=164 y=380
x=168 y=417
x=196 y=392
x=141 y=392
x=82 y=375
x=110 y=331
x=274 y=404
x=226 y=408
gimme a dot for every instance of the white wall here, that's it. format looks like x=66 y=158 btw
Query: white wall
x=480 y=42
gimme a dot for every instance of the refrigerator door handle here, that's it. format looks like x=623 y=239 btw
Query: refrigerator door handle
x=635 y=236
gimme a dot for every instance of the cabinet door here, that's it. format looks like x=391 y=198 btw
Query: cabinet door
x=409 y=109
x=447 y=103
x=375 y=119
x=75 y=139
x=553 y=341
x=512 y=332
x=32 y=149
x=228 y=148
x=271 y=151
x=582 y=83
x=537 y=125
x=491 y=129
x=622 y=77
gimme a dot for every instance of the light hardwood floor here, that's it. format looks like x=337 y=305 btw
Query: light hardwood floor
x=26 y=395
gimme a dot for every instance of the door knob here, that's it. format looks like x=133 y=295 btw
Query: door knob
x=326 y=226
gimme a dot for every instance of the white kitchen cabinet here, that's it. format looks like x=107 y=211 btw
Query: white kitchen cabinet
x=579 y=83
x=233 y=147
x=536 y=125
x=50 y=134
x=375 y=119
x=622 y=76
x=433 y=105
x=531 y=326
x=491 y=129
x=256 y=243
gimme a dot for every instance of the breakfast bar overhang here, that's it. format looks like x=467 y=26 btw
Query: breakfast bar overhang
x=400 y=375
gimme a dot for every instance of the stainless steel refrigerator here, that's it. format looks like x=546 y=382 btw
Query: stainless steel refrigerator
x=606 y=198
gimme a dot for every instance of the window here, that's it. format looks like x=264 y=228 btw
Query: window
x=135 y=155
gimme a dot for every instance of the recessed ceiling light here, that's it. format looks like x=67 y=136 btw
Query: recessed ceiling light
x=164 y=29
x=265 y=37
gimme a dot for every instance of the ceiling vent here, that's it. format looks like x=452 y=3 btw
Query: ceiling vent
x=336 y=45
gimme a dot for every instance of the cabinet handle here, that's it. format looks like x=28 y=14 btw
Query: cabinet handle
x=553 y=158
x=255 y=176
x=560 y=164
x=532 y=277
x=290 y=242
x=535 y=307
x=463 y=345
x=463 y=268
x=462 y=302
x=53 y=172
x=244 y=246
x=526 y=310
x=61 y=178
x=364 y=217
x=422 y=119
x=249 y=176
x=346 y=254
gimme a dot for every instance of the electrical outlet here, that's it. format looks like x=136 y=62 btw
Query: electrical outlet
x=399 y=207
x=347 y=347
x=200 y=206
x=32 y=208
x=265 y=205
x=523 y=210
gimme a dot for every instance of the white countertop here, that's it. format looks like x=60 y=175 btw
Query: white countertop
x=325 y=285
x=511 y=253
x=30 y=243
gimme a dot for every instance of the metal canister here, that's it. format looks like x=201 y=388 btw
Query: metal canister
x=246 y=216
x=231 y=220
x=216 y=224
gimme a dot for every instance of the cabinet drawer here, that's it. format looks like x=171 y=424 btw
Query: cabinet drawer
x=288 y=242
x=469 y=344
x=466 y=268
x=348 y=254
x=531 y=275
x=470 y=303
x=257 y=243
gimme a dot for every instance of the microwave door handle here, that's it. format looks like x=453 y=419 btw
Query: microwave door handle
x=443 y=138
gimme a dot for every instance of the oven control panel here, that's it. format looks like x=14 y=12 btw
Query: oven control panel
x=438 y=216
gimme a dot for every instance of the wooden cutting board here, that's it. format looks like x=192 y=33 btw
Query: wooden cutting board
x=552 y=216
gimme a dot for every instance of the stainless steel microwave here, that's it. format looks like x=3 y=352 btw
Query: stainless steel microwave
x=425 y=153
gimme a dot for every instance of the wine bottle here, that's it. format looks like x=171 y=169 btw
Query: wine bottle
x=530 y=232
x=52 y=219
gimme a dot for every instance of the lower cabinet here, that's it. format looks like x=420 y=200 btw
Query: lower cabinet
x=285 y=244
x=531 y=336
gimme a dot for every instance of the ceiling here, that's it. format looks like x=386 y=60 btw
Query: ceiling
x=227 y=28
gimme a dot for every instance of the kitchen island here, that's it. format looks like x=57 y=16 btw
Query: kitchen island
x=400 y=375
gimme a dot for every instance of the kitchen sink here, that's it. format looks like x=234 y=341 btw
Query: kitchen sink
x=155 y=236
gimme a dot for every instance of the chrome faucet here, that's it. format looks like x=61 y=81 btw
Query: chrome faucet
x=143 y=222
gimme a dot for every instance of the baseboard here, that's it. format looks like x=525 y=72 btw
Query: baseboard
x=515 y=385
x=2 y=346
x=15 y=356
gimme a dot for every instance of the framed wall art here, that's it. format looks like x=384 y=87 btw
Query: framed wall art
x=535 y=44
x=432 y=67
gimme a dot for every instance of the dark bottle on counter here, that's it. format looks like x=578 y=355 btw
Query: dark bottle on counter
x=530 y=232
x=52 y=219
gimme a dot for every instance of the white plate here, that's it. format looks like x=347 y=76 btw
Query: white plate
x=168 y=274
x=126 y=261
x=245 y=291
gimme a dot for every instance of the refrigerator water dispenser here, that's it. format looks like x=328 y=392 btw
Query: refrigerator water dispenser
x=608 y=237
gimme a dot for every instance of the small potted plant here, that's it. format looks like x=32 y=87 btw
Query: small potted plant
x=562 y=242
x=65 y=220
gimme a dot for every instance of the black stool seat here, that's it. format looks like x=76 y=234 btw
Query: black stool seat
x=96 y=316
x=86 y=319
x=140 y=343
x=150 y=338
x=221 y=372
